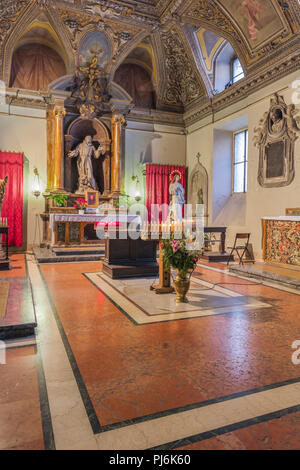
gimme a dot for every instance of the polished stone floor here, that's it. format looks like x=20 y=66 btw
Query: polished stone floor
x=116 y=366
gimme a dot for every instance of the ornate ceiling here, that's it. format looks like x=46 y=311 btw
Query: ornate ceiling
x=263 y=33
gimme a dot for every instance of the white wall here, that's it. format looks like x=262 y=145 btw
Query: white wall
x=245 y=213
x=24 y=130
x=148 y=143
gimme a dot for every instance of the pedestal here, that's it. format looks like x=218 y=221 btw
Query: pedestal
x=4 y=259
x=164 y=284
x=125 y=258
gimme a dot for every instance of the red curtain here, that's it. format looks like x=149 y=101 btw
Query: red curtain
x=157 y=185
x=11 y=164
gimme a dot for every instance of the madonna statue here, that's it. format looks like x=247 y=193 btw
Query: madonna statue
x=176 y=191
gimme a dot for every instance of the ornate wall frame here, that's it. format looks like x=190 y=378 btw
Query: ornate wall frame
x=275 y=139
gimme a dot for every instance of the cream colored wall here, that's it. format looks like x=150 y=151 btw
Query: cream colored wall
x=259 y=201
x=147 y=143
x=24 y=130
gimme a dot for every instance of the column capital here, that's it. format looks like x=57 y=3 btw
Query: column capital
x=119 y=119
x=59 y=112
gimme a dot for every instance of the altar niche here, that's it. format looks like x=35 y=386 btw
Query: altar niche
x=77 y=132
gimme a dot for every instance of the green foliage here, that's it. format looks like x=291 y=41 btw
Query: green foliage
x=124 y=199
x=178 y=256
x=59 y=199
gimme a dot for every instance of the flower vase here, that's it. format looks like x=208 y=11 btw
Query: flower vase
x=181 y=285
x=81 y=212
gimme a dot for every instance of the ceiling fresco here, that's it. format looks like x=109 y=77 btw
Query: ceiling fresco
x=158 y=33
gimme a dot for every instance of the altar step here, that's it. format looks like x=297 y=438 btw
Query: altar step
x=17 y=314
x=216 y=257
x=69 y=255
x=80 y=251
x=286 y=276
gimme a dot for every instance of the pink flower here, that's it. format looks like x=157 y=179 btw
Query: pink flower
x=175 y=246
x=196 y=259
x=162 y=245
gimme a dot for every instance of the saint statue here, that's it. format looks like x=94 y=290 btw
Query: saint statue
x=85 y=151
x=176 y=191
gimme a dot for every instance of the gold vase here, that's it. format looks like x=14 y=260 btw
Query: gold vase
x=181 y=285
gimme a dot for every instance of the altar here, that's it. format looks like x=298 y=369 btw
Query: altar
x=281 y=240
x=76 y=229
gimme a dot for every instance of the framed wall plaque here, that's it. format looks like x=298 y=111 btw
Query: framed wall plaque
x=92 y=198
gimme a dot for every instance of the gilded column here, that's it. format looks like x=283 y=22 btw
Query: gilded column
x=59 y=114
x=118 y=123
x=50 y=149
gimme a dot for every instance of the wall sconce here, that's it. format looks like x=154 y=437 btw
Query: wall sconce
x=36 y=184
x=137 y=196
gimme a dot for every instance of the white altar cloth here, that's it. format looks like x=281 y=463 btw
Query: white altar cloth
x=94 y=218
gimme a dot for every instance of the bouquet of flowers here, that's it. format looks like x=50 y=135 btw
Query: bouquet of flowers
x=177 y=255
x=80 y=204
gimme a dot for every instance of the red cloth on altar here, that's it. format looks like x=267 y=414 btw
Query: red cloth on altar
x=11 y=164
x=157 y=186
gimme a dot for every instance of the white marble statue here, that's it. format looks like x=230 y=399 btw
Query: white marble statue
x=85 y=151
x=177 y=199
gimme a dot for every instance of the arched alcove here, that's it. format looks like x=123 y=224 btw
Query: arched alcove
x=34 y=66
x=138 y=84
x=198 y=188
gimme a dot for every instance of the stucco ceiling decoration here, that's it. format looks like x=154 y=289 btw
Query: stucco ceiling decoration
x=183 y=81
x=10 y=11
x=120 y=34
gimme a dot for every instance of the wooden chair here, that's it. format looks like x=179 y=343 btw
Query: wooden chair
x=241 y=249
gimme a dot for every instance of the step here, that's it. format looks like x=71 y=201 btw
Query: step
x=79 y=251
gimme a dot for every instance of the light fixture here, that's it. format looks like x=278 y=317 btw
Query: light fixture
x=137 y=196
x=36 y=184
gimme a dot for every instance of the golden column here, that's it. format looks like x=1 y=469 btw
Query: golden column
x=50 y=149
x=59 y=114
x=118 y=124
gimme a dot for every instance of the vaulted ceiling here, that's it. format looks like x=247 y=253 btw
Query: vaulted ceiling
x=263 y=33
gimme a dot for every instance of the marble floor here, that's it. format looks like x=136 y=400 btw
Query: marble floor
x=115 y=366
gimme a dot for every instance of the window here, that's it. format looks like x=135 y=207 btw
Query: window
x=240 y=161
x=237 y=70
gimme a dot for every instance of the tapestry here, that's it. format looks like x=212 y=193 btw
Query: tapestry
x=283 y=242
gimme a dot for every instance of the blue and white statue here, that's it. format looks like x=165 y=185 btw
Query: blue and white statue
x=177 y=200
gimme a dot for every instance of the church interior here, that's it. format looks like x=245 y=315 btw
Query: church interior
x=150 y=225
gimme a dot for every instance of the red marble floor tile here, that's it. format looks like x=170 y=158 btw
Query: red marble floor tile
x=17 y=267
x=131 y=371
x=20 y=415
x=277 y=434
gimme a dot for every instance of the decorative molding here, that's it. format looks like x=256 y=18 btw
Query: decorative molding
x=243 y=88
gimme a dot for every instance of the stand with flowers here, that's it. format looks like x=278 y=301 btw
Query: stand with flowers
x=80 y=204
x=177 y=255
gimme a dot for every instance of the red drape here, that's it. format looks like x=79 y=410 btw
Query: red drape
x=11 y=164
x=157 y=185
